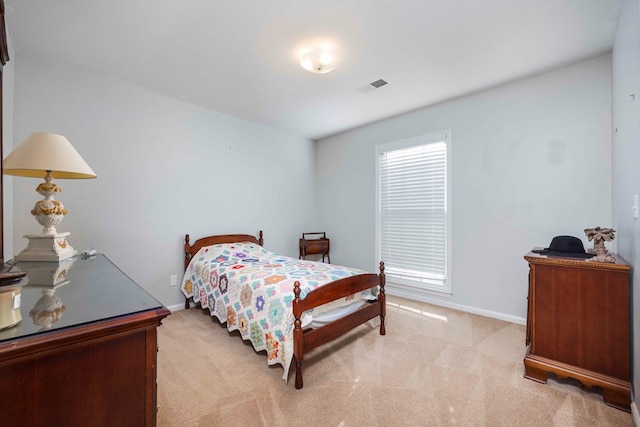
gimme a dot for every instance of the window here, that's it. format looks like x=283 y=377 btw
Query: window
x=413 y=215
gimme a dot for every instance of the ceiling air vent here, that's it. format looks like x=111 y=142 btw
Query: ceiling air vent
x=373 y=85
x=378 y=83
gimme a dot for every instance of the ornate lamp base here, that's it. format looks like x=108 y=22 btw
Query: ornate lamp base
x=52 y=247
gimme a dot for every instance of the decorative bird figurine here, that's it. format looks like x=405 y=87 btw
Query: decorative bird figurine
x=599 y=236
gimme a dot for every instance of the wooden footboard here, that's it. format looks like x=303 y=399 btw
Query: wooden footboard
x=304 y=341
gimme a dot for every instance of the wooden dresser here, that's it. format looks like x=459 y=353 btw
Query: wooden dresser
x=578 y=324
x=85 y=350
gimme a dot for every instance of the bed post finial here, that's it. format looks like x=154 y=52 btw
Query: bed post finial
x=187 y=251
x=187 y=260
x=298 y=340
x=260 y=238
x=382 y=298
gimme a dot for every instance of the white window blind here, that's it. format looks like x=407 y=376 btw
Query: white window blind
x=413 y=211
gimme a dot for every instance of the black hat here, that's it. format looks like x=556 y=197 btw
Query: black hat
x=565 y=246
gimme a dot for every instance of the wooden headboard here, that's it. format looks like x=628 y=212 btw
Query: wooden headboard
x=190 y=250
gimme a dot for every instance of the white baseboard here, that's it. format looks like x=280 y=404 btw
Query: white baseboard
x=435 y=301
x=635 y=414
x=176 y=307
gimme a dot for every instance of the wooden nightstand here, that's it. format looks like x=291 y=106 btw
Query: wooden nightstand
x=315 y=246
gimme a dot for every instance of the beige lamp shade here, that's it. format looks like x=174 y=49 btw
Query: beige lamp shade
x=42 y=152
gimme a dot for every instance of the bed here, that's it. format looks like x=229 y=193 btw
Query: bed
x=283 y=305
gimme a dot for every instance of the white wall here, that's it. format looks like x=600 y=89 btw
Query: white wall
x=626 y=156
x=165 y=168
x=530 y=160
x=7 y=146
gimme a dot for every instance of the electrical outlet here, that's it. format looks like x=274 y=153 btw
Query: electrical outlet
x=173 y=280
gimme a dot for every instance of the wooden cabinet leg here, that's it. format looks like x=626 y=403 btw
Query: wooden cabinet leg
x=617 y=400
x=535 y=374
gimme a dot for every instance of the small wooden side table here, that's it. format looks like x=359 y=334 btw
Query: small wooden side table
x=318 y=245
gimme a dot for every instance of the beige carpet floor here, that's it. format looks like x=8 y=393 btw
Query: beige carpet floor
x=435 y=367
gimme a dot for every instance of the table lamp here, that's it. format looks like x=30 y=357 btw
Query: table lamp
x=47 y=155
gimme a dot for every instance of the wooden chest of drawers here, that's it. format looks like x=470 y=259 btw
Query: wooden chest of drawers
x=578 y=324
x=93 y=363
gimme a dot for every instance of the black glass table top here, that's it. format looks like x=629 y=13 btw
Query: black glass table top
x=73 y=292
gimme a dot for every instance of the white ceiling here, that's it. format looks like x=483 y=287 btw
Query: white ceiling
x=240 y=57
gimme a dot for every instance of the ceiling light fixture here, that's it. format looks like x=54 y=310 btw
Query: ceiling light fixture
x=319 y=61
